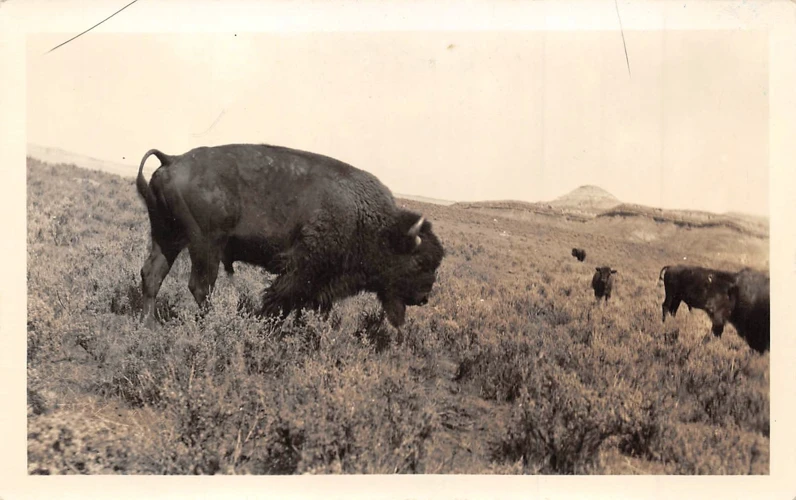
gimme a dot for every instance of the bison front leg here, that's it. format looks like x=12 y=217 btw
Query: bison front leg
x=155 y=269
x=394 y=309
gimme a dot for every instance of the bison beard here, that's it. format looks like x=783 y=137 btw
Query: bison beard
x=326 y=229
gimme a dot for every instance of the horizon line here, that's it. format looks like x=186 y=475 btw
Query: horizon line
x=429 y=199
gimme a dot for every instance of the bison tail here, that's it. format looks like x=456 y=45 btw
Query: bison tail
x=141 y=183
x=663 y=271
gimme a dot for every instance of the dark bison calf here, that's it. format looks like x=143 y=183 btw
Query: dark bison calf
x=699 y=287
x=751 y=313
x=579 y=254
x=603 y=282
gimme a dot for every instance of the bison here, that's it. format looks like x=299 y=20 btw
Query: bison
x=579 y=254
x=326 y=229
x=603 y=282
x=701 y=288
x=751 y=313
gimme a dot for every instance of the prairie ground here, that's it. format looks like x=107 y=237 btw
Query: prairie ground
x=511 y=368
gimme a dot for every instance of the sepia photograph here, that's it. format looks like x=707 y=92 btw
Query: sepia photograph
x=461 y=251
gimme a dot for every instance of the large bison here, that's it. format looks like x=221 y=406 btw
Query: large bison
x=326 y=229
x=699 y=287
x=579 y=254
x=603 y=282
x=751 y=313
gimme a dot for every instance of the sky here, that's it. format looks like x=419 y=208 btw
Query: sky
x=465 y=116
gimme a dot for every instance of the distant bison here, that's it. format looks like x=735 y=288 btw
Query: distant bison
x=603 y=282
x=751 y=314
x=579 y=254
x=327 y=229
x=699 y=287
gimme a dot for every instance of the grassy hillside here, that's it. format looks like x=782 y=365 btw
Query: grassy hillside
x=510 y=368
x=523 y=210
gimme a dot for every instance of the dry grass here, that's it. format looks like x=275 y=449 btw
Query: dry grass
x=510 y=368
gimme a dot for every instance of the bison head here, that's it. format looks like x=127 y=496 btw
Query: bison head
x=409 y=267
x=749 y=299
x=603 y=274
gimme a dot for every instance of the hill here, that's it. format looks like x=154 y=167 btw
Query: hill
x=587 y=203
x=588 y=199
x=581 y=204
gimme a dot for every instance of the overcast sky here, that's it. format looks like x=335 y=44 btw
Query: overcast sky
x=450 y=115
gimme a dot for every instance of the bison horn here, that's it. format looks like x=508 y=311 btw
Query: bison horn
x=415 y=230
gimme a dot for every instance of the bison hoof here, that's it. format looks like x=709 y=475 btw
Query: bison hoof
x=149 y=323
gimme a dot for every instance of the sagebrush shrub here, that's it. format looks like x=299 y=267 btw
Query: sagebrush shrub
x=559 y=425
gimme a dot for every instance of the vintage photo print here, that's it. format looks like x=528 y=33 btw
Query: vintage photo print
x=475 y=244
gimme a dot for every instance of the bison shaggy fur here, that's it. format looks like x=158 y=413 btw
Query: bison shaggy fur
x=603 y=282
x=579 y=254
x=326 y=229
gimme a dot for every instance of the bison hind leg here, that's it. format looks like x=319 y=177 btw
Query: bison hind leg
x=670 y=304
x=675 y=305
x=153 y=272
x=205 y=260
